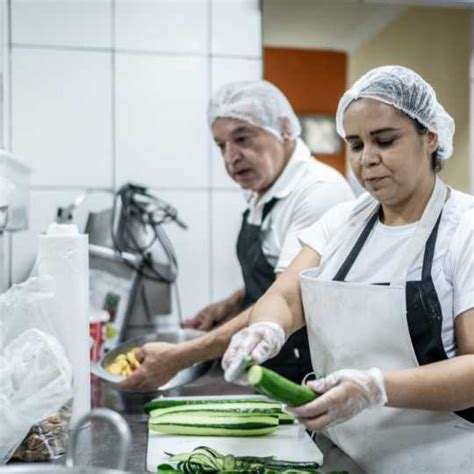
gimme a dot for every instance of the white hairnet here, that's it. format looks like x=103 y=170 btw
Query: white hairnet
x=259 y=103
x=405 y=90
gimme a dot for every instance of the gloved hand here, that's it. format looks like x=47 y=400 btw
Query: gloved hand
x=260 y=340
x=344 y=394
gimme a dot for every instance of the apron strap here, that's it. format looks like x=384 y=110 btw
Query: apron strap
x=423 y=230
x=348 y=231
x=429 y=251
x=347 y=265
x=268 y=207
x=266 y=210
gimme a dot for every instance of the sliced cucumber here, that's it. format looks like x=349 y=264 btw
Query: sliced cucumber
x=212 y=431
x=239 y=407
x=215 y=424
x=279 y=388
x=285 y=418
x=166 y=402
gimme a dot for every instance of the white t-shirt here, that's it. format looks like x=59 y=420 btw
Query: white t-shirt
x=306 y=189
x=453 y=262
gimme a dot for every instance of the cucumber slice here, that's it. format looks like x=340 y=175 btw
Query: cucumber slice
x=212 y=431
x=214 y=424
x=279 y=388
x=285 y=418
x=239 y=407
x=166 y=403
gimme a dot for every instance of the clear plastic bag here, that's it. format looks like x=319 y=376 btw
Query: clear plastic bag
x=35 y=374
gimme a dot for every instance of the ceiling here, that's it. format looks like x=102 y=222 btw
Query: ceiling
x=340 y=25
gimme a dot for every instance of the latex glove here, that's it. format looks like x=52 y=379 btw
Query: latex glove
x=208 y=317
x=344 y=394
x=159 y=362
x=260 y=340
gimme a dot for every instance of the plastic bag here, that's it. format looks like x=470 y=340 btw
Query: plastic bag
x=35 y=374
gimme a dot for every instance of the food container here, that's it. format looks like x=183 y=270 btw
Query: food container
x=97 y=321
x=104 y=414
x=171 y=336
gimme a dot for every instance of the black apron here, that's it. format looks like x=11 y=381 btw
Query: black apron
x=424 y=315
x=294 y=360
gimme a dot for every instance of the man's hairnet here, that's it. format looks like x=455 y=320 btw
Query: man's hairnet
x=259 y=103
x=405 y=90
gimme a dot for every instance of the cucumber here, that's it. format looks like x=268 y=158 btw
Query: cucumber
x=212 y=431
x=215 y=424
x=279 y=388
x=203 y=459
x=285 y=418
x=239 y=407
x=167 y=403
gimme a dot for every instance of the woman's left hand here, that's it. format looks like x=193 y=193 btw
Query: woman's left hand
x=343 y=394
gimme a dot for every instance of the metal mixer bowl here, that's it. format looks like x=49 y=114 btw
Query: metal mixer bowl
x=171 y=336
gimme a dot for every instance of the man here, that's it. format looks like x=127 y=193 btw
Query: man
x=287 y=190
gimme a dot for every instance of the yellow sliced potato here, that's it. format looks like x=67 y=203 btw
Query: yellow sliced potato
x=124 y=364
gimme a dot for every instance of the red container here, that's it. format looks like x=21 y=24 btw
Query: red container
x=97 y=320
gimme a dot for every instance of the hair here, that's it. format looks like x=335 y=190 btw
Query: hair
x=436 y=162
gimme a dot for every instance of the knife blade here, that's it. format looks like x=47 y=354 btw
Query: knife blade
x=244 y=364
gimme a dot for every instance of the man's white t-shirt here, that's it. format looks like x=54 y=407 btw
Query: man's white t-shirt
x=453 y=262
x=305 y=190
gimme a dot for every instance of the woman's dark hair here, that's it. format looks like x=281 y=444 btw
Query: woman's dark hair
x=436 y=162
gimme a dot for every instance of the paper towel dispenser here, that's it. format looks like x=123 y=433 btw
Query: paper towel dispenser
x=18 y=176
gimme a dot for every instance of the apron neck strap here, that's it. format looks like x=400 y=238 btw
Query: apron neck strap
x=267 y=207
x=425 y=226
x=349 y=231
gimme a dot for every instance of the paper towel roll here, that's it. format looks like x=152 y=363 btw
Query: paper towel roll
x=63 y=254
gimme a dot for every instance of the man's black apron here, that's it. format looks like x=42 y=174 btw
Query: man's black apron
x=294 y=360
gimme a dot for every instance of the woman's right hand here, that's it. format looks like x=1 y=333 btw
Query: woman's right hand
x=260 y=341
x=159 y=362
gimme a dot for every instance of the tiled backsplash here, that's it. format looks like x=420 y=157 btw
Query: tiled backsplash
x=108 y=91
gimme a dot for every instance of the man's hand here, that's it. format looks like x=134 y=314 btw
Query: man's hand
x=159 y=362
x=208 y=317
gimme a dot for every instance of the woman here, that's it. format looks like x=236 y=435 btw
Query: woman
x=385 y=287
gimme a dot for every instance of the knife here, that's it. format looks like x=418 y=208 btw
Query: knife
x=244 y=364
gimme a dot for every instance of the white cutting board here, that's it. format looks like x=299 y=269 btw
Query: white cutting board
x=289 y=442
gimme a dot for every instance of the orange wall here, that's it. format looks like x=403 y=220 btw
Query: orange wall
x=312 y=80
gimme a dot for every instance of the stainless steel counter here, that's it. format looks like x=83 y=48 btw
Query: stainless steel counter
x=97 y=446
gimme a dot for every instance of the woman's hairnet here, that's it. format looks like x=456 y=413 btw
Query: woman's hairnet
x=405 y=90
x=259 y=103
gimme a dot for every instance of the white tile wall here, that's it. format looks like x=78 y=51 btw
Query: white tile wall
x=161 y=130
x=61 y=116
x=107 y=91
x=471 y=114
x=236 y=28
x=179 y=26
x=225 y=70
x=43 y=207
x=227 y=209
x=85 y=23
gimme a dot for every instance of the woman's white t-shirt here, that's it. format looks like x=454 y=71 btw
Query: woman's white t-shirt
x=453 y=263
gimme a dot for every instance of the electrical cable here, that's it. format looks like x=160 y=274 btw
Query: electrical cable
x=148 y=215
